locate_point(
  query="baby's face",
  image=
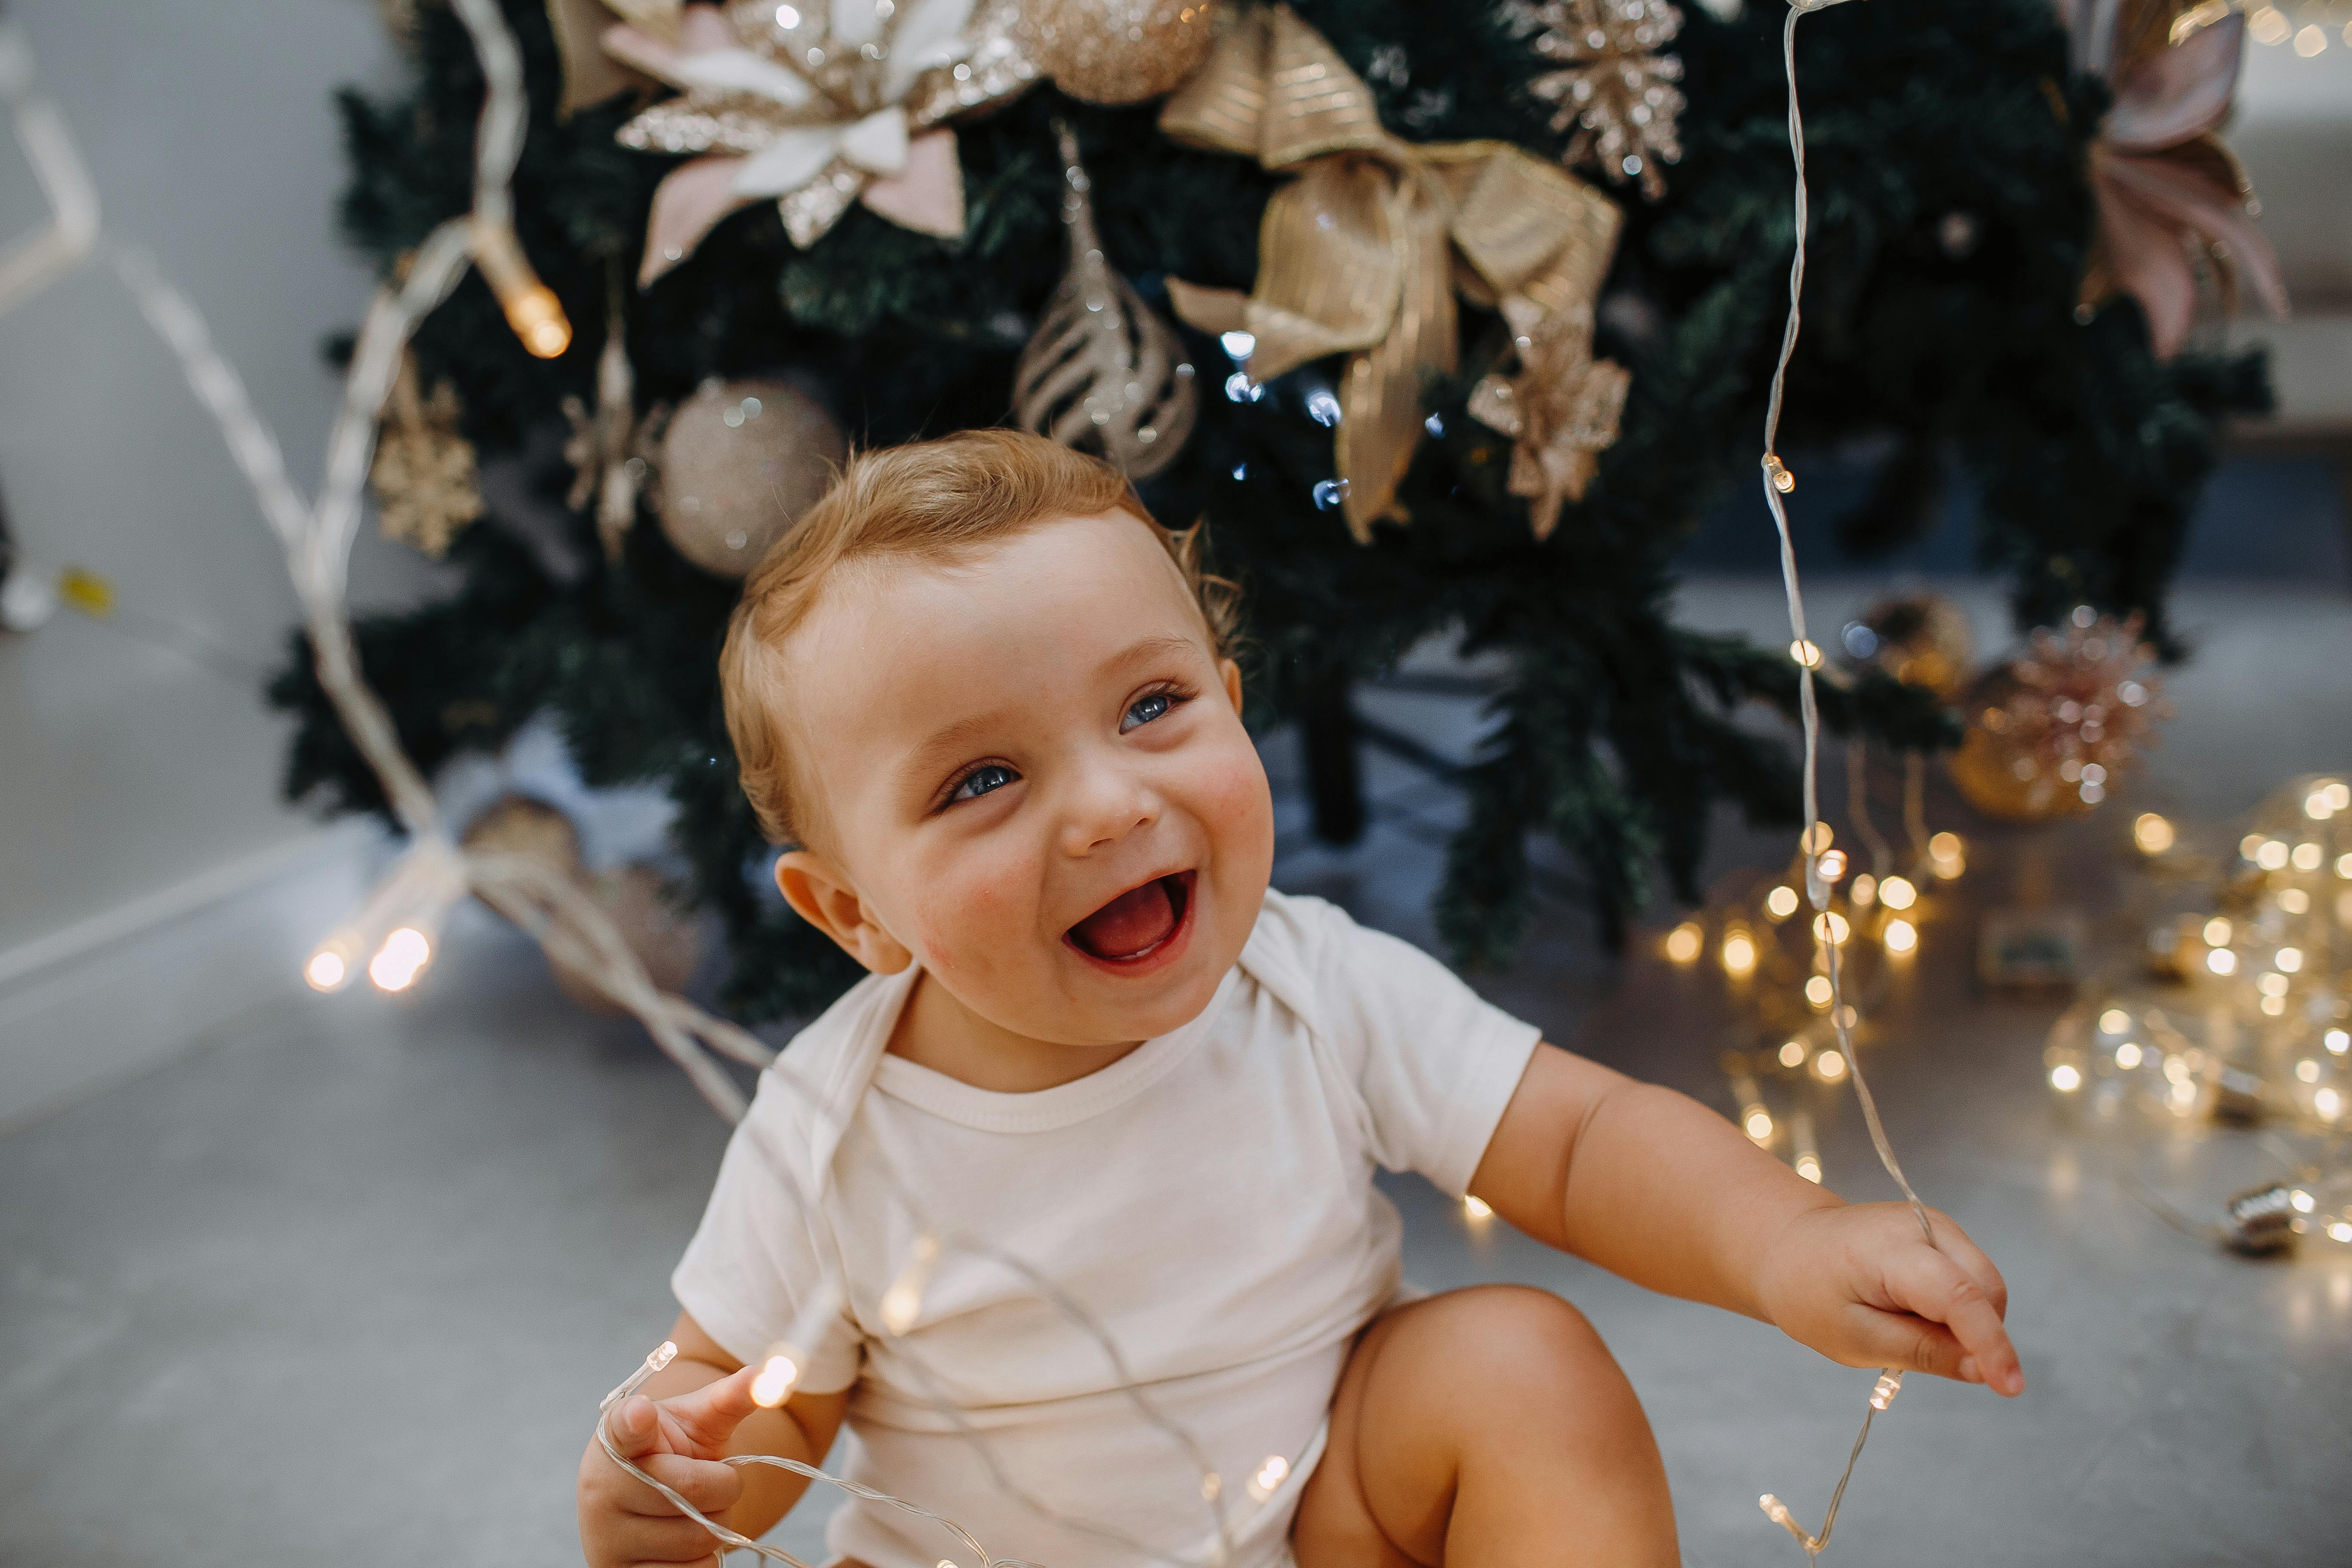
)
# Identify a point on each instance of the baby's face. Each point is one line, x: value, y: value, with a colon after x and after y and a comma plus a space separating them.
x: 1033, y: 777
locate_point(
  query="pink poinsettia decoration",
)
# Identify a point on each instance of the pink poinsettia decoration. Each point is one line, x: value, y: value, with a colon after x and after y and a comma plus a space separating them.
x: 813, y: 106
x: 2170, y: 193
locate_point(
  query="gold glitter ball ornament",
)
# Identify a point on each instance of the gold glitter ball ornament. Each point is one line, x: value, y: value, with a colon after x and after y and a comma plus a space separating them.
x: 740, y: 462
x: 1119, y: 51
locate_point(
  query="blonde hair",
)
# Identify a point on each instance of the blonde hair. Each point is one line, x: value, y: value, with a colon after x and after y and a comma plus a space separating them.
x: 927, y: 500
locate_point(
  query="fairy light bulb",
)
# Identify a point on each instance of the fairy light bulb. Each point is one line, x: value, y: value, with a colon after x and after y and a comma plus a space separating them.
x: 401, y: 958
x: 2152, y: 833
x: 2302, y: 1202
x: 2295, y: 900
x: 1782, y: 479
x: 1820, y: 992
x: 1882, y: 1392
x: 774, y: 1384
x: 2339, y: 795
x: 1831, y: 927
x: 2338, y: 1041
x: 1476, y: 1207
x: 1684, y: 942
x: 533, y: 311
x: 2328, y: 1103
x: 1792, y: 1054
x: 2128, y: 1055
x: 2222, y: 961
x: 902, y: 1303
x: 1268, y: 1477
x: 2114, y: 1021
x: 2339, y: 1231
x: 2217, y: 931
x: 1864, y: 891
x: 329, y: 969
x: 1947, y: 854
x: 1756, y: 1123
x: 1817, y: 839
x: 2308, y: 856
x: 1738, y: 953
x: 2066, y: 1078
x: 1806, y: 652
x: 1780, y: 902
x: 1897, y: 893
x: 2272, y: 855
x: 1831, y: 1065
x: 1809, y: 1165
x: 2288, y: 959
x: 1831, y: 866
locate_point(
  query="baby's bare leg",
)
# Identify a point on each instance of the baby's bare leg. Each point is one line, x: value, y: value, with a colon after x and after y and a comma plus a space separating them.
x: 1486, y: 1428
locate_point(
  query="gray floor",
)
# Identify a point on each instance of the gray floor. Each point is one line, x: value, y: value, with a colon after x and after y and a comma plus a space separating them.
x: 345, y: 1284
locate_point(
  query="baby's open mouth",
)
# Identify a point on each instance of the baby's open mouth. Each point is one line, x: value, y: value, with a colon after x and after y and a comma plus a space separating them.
x: 1137, y: 922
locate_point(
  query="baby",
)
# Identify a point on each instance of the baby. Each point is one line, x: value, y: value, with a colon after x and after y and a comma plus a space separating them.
x: 991, y: 705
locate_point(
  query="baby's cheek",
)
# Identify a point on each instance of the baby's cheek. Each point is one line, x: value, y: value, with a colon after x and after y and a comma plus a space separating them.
x: 965, y: 925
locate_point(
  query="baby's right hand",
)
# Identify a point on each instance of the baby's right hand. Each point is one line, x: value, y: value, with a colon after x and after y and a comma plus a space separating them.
x: 677, y: 1441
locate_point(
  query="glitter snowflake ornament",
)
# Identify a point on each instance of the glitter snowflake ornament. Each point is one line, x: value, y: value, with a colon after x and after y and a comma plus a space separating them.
x: 1613, y: 84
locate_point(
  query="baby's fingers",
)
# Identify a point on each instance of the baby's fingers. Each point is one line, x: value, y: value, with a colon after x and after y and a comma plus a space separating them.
x: 1929, y: 1285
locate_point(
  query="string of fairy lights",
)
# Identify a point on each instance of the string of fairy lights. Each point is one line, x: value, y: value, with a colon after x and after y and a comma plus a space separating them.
x: 2232, y: 1009
x: 394, y: 935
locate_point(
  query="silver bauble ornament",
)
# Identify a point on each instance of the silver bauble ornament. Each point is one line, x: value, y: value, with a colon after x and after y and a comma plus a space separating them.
x: 1119, y: 51
x: 740, y: 462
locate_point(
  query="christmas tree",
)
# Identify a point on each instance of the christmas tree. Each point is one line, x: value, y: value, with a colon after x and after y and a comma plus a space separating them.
x: 1507, y: 450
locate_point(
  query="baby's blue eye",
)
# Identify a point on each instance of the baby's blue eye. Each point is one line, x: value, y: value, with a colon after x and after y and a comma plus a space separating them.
x: 980, y: 780
x: 1144, y: 710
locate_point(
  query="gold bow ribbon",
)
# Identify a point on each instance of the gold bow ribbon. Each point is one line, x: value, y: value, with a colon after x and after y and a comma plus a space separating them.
x: 1561, y: 412
x: 1364, y: 251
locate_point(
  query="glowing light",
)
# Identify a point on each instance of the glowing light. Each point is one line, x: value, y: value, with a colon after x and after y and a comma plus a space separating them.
x: 1782, y: 479
x: 2273, y: 1005
x: 1818, y: 991
x: 2328, y: 1103
x: 1810, y: 1167
x: 1832, y: 865
x: 1477, y: 1207
x: 1882, y: 1394
x: 1792, y: 1054
x: 1864, y: 891
x: 1739, y: 953
x: 2307, y: 1071
x: 1268, y: 1476
x: 1946, y: 852
x: 1831, y: 927
x: 2339, y: 1231
x: 2272, y: 985
x: 1780, y: 902
x: 2152, y: 833
x: 787, y: 18
x: 2308, y: 856
x: 2344, y: 865
x: 1807, y: 652
x: 1900, y: 936
x: 1238, y: 345
x: 772, y: 1384
x: 2127, y: 1054
x: 2217, y: 932
x: 2183, y: 1096
x: 2318, y: 806
x: 1816, y: 839
x: 902, y: 1303
x: 2269, y: 25
x: 401, y: 959
x: 2295, y: 900
x: 2066, y: 1078
x: 1756, y: 1123
x: 1683, y: 942
x: 2339, y: 795
x: 2338, y: 1041
x: 2114, y: 1021
x: 2222, y: 961
x: 1831, y: 1065
x: 2304, y: 1202
x: 327, y: 970
x: 2289, y: 960
x: 2249, y: 846
x: 1897, y: 893
x: 2272, y: 855
x: 2311, y: 40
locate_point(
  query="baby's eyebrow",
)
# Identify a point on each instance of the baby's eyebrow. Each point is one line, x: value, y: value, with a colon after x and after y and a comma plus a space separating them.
x: 1151, y: 647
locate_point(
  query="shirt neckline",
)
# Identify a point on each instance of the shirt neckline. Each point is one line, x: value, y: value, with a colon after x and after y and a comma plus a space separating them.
x: 1043, y: 1109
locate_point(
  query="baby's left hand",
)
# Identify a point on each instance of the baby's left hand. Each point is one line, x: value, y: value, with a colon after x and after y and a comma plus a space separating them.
x: 1858, y: 1283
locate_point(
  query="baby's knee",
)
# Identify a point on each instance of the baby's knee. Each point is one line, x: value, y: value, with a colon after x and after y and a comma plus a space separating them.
x: 1516, y: 1341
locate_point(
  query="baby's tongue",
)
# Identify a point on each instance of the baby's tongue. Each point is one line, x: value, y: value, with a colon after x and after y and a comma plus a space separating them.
x: 1127, y: 924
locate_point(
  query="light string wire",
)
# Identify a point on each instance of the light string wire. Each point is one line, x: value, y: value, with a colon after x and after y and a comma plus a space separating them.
x: 1778, y: 480
x: 434, y: 871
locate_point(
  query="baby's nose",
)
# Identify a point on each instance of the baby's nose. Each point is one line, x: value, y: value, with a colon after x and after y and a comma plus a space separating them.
x: 1106, y: 803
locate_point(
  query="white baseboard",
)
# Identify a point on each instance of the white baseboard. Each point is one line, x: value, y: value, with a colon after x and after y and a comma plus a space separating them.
x: 113, y: 995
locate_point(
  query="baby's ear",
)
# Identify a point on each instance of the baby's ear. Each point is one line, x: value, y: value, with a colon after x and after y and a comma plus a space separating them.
x: 824, y: 897
x: 1233, y: 676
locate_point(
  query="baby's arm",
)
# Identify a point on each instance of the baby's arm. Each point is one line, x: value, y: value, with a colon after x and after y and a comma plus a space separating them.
x: 1652, y: 1185
x: 682, y: 1421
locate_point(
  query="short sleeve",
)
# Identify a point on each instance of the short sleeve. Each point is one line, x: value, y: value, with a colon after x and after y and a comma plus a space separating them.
x: 1436, y: 1062
x: 761, y: 1267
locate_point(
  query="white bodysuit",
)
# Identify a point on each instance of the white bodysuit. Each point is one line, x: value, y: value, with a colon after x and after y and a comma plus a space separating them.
x: 1208, y: 1198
